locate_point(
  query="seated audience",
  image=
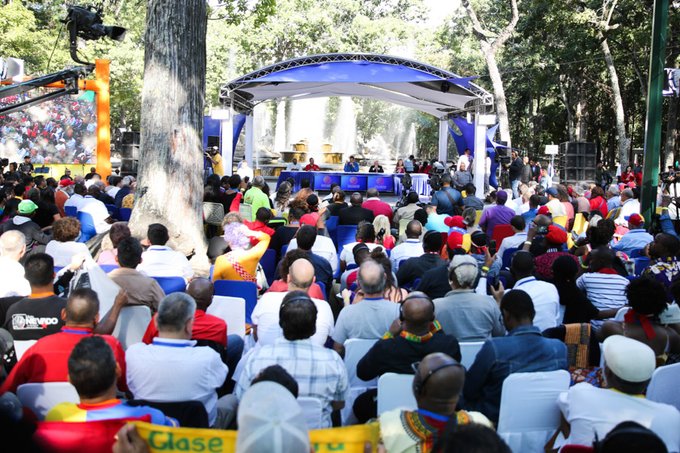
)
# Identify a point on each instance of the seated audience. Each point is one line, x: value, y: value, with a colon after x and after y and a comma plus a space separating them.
x: 665, y: 265
x: 470, y: 200
x: 435, y: 221
x: 462, y: 312
x: 470, y: 438
x: 171, y: 369
x: 63, y: 245
x: 376, y: 205
x: 100, y: 215
x: 515, y: 241
x: 523, y: 350
x: 365, y: 235
x: 281, y: 285
x: 240, y: 263
x: 283, y: 235
x: 256, y: 197
x: 406, y: 212
x: 383, y: 235
x: 142, y: 290
x: 355, y: 213
x: 319, y: 372
x: 604, y: 287
x: 392, y: 291
x: 498, y: 214
x: 12, y: 274
x: 337, y: 203
x: 282, y: 199
x: 636, y: 239
x: 23, y: 222
x: 159, y: 260
x: 411, y: 247
x: 321, y: 247
x: 117, y: 233
x: 262, y: 217
x: 414, y: 268
x: 93, y: 371
x: 437, y: 386
x: 592, y: 412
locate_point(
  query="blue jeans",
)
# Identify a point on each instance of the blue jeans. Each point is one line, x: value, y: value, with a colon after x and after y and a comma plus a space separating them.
x: 515, y: 188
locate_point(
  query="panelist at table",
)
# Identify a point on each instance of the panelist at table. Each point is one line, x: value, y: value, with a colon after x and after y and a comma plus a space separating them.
x: 311, y: 166
x: 351, y: 166
x: 294, y: 166
x: 376, y: 168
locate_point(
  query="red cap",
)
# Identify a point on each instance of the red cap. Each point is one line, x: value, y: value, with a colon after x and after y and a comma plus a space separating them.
x: 455, y: 240
x: 556, y: 235
x: 543, y: 210
x: 455, y: 221
x: 635, y: 220
x: 66, y: 182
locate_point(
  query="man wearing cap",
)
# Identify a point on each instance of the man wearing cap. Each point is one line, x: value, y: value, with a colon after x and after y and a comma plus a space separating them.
x: 23, y: 222
x: 592, y: 412
x: 636, y: 238
x: 613, y: 197
x: 410, y: 248
x: 62, y: 194
x: 498, y: 214
x: 554, y: 204
x: 26, y: 166
x: 255, y: 197
x: 376, y: 205
x: 414, y: 268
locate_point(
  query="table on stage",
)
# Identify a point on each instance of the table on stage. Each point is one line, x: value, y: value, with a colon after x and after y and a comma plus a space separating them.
x: 384, y: 182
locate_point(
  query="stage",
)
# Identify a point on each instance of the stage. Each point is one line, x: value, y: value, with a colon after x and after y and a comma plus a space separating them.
x: 356, y: 182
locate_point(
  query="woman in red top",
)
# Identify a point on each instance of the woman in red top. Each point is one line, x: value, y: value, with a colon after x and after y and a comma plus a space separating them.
x: 597, y: 201
x: 628, y: 175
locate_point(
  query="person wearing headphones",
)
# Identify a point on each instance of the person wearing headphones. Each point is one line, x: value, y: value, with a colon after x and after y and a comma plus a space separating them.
x: 437, y: 385
x: 411, y: 337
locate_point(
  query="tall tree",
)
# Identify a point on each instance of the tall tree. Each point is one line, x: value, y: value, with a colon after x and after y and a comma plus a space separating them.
x: 491, y: 43
x: 170, y: 185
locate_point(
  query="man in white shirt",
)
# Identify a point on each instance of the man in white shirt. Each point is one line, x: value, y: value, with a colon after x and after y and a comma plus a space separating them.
x: 171, y: 369
x: 410, y: 248
x: 554, y: 204
x: 629, y: 206
x: 12, y: 279
x: 366, y: 235
x: 96, y: 209
x: 591, y: 411
x: 294, y: 166
x: 518, y: 225
x: 324, y: 247
x: 159, y: 260
x: 543, y: 294
x: 266, y: 322
x: 78, y: 196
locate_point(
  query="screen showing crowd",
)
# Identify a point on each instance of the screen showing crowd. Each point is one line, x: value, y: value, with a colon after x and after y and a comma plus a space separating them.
x: 61, y: 131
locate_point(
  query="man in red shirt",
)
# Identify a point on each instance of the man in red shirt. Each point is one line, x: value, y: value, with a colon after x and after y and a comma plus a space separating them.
x: 47, y: 360
x: 375, y: 204
x: 311, y: 166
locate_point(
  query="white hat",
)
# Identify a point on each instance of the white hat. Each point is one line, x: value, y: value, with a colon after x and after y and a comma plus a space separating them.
x: 270, y: 420
x: 630, y: 360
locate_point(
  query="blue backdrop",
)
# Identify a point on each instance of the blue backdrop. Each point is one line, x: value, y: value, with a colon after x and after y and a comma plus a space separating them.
x: 466, y: 139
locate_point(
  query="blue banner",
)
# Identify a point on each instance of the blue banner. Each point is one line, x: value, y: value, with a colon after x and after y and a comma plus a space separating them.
x: 382, y: 183
x: 353, y: 182
x: 323, y: 181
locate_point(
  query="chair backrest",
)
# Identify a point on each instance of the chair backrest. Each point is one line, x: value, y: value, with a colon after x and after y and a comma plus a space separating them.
x: 87, y: 229
x: 171, y: 284
x: 467, y: 242
x: 189, y: 414
x: 246, y: 211
x: 268, y: 262
x: 124, y: 214
x: 501, y: 232
x: 537, y: 393
x: 561, y: 220
x: 579, y: 223
x: 109, y: 267
x: 395, y: 391
x: 80, y: 437
x: 41, y: 397
x: 621, y: 313
x: 468, y: 352
x: 312, y: 408
x: 332, y: 227
x: 233, y: 311
x: 71, y: 211
x: 236, y: 288
x: 213, y: 213
x: 112, y: 210
x: 663, y: 388
x: 507, y: 256
x: 132, y: 323
x: 346, y: 234
x: 21, y: 346
x: 322, y: 285
x: 478, y: 216
x: 355, y: 349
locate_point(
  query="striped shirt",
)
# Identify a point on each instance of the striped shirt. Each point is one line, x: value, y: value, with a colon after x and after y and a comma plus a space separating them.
x: 319, y: 372
x: 604, y: 290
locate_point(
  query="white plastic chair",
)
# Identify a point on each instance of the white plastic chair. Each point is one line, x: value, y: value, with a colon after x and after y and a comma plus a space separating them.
x: 395, y: 391
x: 21, y: 346
x: 663, y: 388
x: 132, y: 323
x: 468, y: 352
x: 312, y: 408
x: 233, y: 311
x: 355, y: 349
x: 537, y: 394
x: 621, y: 313
x: 41, y: 397
x: 246, y: 211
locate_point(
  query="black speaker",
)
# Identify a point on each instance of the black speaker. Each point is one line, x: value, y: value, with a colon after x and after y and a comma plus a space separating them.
x: 128, y: 165
x: 130, y: 138
x: 129, y: 152
x: 578, y: 161
x: 213, y: 141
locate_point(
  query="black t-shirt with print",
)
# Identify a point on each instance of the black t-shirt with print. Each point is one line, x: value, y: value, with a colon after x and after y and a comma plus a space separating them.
x: 32, y: 319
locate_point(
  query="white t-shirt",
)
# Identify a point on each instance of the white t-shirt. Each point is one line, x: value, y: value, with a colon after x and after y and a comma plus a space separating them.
x: 546, y: 301
x: 324, y: 247
x: 98, y: 211
x: 266, y: 317
x: 62, y: 252
x: 12, y: 280
x: 75, y: 200
x: 556, y: 208
x: 591, y: 410
x: 162, y: 261
x: 346, y: 254
x: 410, y: 248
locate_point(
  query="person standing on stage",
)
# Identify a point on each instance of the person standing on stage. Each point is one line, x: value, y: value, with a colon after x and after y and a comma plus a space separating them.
x: 215, y: 161
x: 294, y: 166
x: 351, y: 166
x: 311, y: 166
x: 515, y: 173
x: 408, y: 164
x: 376, y: 168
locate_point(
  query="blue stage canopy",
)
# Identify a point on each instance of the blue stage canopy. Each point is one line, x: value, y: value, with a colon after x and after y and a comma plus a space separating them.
x: 392, y: 79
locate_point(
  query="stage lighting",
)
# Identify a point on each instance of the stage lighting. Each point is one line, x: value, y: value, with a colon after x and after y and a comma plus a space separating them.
x: 86, y: 23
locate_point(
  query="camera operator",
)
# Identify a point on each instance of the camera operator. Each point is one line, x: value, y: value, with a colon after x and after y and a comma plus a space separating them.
x: 447, y: 199
x: 408, y: 209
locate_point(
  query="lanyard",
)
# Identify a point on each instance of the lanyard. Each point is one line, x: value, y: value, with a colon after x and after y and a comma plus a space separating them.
x: 531, y: 279
x: 438, y: 417
x: 171, y: 345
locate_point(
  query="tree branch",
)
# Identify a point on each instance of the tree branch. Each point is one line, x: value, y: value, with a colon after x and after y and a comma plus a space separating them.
x: 477, y: 27
x: 509, y: 29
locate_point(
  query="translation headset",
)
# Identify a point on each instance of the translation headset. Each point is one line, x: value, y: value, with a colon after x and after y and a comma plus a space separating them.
x: 420, y: 382
x: 415, y: 295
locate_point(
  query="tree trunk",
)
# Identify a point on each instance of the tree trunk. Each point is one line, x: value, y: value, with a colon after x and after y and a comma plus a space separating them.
x: 571, y: 124
x: 623, y: 140
x: 671, y: 132
x: 170, y: 185
x: 498, y: 91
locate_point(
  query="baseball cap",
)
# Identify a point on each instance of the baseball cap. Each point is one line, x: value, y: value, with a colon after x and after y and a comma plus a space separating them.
x: 629, y: 359
x: 502, y: 196
x: 270, y: 420
x: 635, y: 219
x: 556, y: 235
x: 552, y: 191
x: 455, y: 240
x: 66, y: 182
x: 543, y: 210
x: 27, y: 207
x: 455, y: 221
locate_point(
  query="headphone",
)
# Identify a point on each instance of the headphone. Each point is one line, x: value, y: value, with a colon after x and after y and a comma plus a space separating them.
x: 420, y: 382
x: 415, y: 295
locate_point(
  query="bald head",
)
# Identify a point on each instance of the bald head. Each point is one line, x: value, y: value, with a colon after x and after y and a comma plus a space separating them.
x: 438, y: 383
x: 417, y: 313
x: 356, y: 199
x: 371, y: 278
x: 300, y: 275
x: 82, y: 308
x: 13, y: 244
x: 202, y: 290
x: 414, y: 229
x: 542, y: 220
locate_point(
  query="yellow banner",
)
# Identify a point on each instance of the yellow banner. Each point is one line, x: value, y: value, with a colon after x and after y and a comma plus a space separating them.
x: 161, y: 439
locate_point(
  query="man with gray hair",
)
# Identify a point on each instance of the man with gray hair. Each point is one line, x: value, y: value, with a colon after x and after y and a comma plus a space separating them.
x: 629, y: 206
x: 171, y: 369
x: 255, y: 197
x: 372, y: 316
x: 12, y: 279
x: 613, y: 197
x: 462, y: 312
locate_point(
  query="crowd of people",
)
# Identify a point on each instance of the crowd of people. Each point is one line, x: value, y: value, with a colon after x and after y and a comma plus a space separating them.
x: 545, y: 280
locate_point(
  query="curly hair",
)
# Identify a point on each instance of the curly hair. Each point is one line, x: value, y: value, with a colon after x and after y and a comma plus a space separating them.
x: 235, y: 237
x: 66, y: 229
x: 646, y: 296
